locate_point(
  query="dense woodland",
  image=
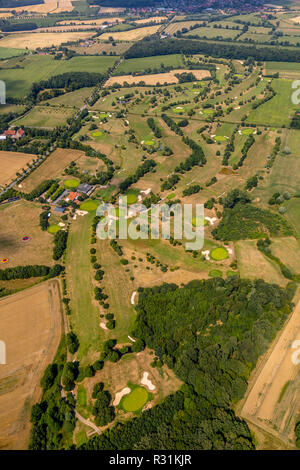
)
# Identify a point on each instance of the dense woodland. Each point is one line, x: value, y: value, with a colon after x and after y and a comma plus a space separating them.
x: 211, y: 333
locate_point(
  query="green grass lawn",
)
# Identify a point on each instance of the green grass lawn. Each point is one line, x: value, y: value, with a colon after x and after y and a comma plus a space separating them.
x: 144, y: 63
x: 53, y: 229
x: 8, y: 52
x: 71, y: 184
x: 45, y: 117
x: 84, y: 310
x: 279, y: 110
x: 218, y: 254
x: 89, y: 205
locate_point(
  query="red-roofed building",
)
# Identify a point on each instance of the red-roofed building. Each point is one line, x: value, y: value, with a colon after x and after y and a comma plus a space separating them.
x: 14, y: 134
x: 71, y: 197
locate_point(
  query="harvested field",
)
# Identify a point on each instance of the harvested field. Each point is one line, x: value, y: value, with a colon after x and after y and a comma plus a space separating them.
x: 272, y: 402
x: 153, y: 79
x: 100, y: 47
x: 11, y: 163
x: 93, y: 21
x: 51, y: 168
x: 131, y: 34
x: 18, y: 220
x: 35, y: 40
x: 49, y: 6
x: 157, y: 19
x: 31, y: 330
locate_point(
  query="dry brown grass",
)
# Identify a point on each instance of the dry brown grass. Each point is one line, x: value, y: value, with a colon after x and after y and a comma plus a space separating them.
x: 153, y: 79
x: 35, y: 40
x: 18, y: 220
x: 52, y: 167
x: 98, y: 21
x: 131, y: 34
x: 49, y: 6
x: 265, y: 405
x: 11, y: 163
x: 31, y: 330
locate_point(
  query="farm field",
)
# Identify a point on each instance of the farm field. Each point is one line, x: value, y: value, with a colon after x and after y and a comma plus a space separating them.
x: 130, y: 66
x: 7, y: 52
x: 130, y: 35
x: 285, y: 69
x: 11, y: 163
x: 31, y: 330
x: 153, y: 79
x: 37, y: 250
x: 35, y: 40
x: 104, y: 47
x: 45, y: 117
x: 51, y: 168
x: 272, y: 400
x: 36, y: 68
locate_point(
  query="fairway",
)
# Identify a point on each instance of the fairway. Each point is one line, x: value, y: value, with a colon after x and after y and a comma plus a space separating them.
x: 135, y: 400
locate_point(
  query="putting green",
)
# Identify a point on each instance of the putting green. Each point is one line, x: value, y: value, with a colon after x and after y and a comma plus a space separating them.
x: 131, y: 197
x: 247, y: 131
x: 179, y: 109
x: 89, y: 205
x: 103, y: 116
x: 97, y: 134
x: 53, y: 229
x: 220, y: 138
x: 208, y: 111
x: 171, y: 196
x: 135, y: 400
x: 215, y: 273
x: 197, y: 221
x: 72, y: 183
x: 148, y: 142
x: 218, y: 254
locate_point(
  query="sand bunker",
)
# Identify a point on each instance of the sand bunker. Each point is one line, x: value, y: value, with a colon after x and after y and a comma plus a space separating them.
x: 133, y: 297
x: 147, y: 382
x: 103, y: 326
x: 206, y: 254
x: 120, y: 395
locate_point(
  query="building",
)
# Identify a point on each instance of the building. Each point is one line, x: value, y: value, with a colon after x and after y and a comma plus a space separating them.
x: 71, y: 197
x: 85, y: 188
x: 12, y: 134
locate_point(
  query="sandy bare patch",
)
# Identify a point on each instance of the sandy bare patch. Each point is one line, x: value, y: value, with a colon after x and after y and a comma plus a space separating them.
x: 103, y: 326
x: 147, y: 382
x: 296, y: 19
x: 133, y: 297
x: 153, y: 79
x: 120, y: 395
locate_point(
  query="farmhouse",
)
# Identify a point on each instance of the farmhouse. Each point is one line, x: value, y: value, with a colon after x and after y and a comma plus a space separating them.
x: 71, y: 197
x: 85, y: 188
x: 12, y: 134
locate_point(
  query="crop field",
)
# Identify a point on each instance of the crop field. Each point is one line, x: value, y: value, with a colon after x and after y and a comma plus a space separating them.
x: 35, y: 40
x: 211, y: 33
x: 285, y: 69
x: 7, y: 52
x: 36, y: 68
x: 105, y: 47
x: 130, y: 35
x: 45, y: 117
x: 178, y: 26
x: 73, y: 99
x: 272, y: 400
x: 153, y: 79
x: 11, y: 163
x: 130, y: 66
x: 37, y: 250
x: 51, y: 168
x: 31, y: 330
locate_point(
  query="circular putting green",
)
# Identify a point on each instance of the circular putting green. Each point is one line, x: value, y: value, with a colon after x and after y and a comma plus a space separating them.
x: 197, y: 221
x: 179, y: 109
x: 220, y: 138
x: 247, y: 131
x: 218, y: 254
x: 149, y: 142
x: 135, y: 400
x: 71, y: 184
x: 53, y: 228
x: 131, y: 197
x: 97, y: 134
x: 215, y: 273
x: 90, y: 205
